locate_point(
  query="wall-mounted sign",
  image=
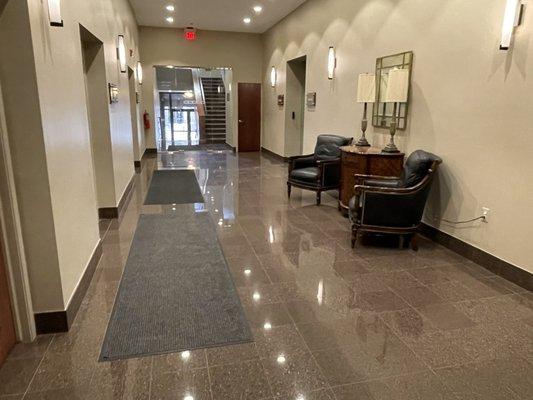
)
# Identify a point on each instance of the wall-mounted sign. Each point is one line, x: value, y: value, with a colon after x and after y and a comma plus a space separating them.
x: 281, y: 100
x: 113, y: 93
x: 311, y: 99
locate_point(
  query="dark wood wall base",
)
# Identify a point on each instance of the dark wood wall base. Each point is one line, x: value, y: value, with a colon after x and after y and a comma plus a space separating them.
x: 274, y: 155
x: 108, y: 213
x: 61, y: 321
x: 494, y: 264
x: 125, y: 199
x: 118, y: 212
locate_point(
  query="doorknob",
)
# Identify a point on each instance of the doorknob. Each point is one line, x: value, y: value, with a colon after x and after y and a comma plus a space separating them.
x: 241, y: 121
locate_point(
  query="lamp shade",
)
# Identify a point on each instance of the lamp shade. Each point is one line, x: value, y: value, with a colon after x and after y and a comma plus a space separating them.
x: 366, y: 88
x: 139, y: 73
x: 332, y: 62
x: 121, y: 52
x: 511, y: 20
x: 397, y: 86
x: 54, y: 11
x: 273, y: 77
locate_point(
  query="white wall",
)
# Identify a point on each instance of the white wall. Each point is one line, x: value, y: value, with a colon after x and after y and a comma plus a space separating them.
x: 471, y: 102
x: 162, y: 46
x: 57, y: 197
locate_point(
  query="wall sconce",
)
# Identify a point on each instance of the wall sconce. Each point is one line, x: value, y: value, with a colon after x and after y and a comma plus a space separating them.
x: 54, y: 11
x: 273, y: 77
x: 332, y: 63
x: 121, y: 54
x: 512, y: 19
x: 139, y: 73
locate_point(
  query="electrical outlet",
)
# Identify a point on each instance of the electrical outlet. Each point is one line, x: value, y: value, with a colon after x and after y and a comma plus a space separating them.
x: 485, y: 212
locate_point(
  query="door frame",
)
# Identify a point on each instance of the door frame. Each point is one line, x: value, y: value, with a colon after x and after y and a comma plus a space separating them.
x: 13, y: 244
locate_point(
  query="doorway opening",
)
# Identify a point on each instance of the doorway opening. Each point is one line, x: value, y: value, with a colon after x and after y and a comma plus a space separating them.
x: 295, y: 106
x: 193, y: 107
x: 94, y: 72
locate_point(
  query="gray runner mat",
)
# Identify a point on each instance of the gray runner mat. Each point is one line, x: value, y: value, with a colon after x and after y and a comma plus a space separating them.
x: 174, y: 187
x: 176, y: 292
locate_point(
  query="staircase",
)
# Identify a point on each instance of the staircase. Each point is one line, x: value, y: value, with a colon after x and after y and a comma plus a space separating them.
x: 215, y: 110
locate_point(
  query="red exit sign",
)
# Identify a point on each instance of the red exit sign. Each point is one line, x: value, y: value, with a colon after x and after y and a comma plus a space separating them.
x: 190, y: 34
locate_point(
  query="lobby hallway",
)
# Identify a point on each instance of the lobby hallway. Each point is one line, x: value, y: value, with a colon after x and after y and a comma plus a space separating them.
x: 329, y: 322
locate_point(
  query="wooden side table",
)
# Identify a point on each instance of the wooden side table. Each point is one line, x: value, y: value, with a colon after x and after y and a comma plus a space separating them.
x: 367, y: 161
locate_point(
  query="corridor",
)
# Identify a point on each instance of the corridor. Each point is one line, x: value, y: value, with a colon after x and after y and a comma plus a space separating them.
x: 328, y: 322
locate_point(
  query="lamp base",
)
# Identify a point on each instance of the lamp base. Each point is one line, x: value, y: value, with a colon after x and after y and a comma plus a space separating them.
x: 390, y: 148
x: 362, y: 142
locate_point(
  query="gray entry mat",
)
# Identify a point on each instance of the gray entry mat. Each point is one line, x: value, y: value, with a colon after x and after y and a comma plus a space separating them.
x: 174, y: 187
x: 176, y: 292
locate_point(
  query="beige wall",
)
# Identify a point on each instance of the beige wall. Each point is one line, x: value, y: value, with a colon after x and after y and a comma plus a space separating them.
x: 47, y: 117
x: 471, y: 103
x: 161, y: 46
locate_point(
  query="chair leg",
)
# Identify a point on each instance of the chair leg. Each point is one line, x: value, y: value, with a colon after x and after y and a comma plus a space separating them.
x: 354, y: 237
x: 414, y: 242
x: 318, y: 198
x: 289, y: 187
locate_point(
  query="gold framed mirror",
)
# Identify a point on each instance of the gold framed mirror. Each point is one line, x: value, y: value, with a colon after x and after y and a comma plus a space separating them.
x: 382, y: 113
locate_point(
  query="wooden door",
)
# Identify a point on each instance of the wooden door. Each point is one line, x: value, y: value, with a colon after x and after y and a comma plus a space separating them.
x: 7, y: 327
x: 249, y: 117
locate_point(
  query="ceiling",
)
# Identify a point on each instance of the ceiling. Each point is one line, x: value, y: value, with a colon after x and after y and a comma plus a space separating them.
x: 217, y: 15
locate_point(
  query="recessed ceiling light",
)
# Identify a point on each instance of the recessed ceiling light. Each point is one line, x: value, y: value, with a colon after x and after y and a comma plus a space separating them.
x: 170, y: 7
x: 247, y: 20
x: 170, y: 20
x: 258, y: 9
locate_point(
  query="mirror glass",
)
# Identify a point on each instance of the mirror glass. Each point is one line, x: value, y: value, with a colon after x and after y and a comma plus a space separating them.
x: 382, y: 113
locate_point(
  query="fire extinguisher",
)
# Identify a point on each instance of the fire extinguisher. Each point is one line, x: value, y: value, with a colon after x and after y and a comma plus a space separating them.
x: 146, y: 119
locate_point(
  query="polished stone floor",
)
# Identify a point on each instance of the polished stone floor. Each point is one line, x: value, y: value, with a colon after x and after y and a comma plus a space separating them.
x: 329, y: 322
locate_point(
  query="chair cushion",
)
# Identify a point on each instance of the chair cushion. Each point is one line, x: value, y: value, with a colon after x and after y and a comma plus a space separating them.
x: 328, y: 146
x: 306, y: 175
x: 417, y: 167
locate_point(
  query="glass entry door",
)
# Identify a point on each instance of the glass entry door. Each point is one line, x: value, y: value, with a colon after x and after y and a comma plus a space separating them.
x: 179, y: 122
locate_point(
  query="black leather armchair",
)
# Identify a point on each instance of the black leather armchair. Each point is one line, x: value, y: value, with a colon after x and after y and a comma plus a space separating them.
x: 321, y: 170
x: 394, y: 205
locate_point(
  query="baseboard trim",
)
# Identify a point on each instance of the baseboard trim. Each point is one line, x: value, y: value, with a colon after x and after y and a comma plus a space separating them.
x: 125, y: 199
x: 61, y: 321
x: 492, y: 263
x: 274, y: 155
x: 117, y: 212
x: 108, y: 213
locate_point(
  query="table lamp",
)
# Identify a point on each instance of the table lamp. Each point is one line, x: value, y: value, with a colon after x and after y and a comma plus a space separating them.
x: 397, y: 92
x: 366, y: 93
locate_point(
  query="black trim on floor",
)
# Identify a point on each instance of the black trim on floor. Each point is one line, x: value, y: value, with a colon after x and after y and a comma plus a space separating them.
x: 494, y: 264
x: 61, y: 321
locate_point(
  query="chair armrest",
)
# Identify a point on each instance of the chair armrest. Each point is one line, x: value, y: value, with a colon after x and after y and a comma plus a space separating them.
x: 360, y: 189
x: 297, y: 162
x: 329, y: 162
x: 293, y: 158
x: 361, y: 178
